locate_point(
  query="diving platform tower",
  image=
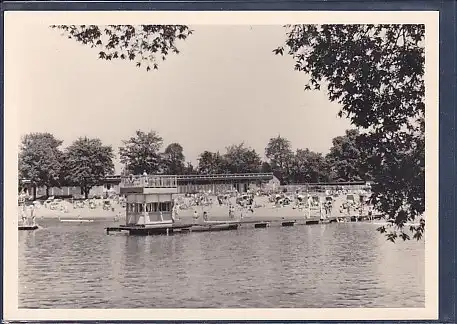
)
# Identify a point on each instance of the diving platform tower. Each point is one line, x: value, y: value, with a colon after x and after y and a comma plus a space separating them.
x: 149, y: 199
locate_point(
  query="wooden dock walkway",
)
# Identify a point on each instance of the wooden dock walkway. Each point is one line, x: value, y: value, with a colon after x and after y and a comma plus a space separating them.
x: 227, y: 225
x: 27, y: 227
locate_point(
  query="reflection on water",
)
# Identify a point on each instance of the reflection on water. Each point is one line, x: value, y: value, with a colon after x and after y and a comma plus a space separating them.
x: 337, y: 265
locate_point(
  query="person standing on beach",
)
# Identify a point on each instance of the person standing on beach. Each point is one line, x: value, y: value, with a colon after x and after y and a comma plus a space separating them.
x: 195, y: 216
x: 24, y: 214
x: 231, y: 216
x: 370, y: 212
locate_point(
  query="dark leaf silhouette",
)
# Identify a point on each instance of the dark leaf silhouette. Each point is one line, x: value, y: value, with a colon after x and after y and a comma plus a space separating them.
x: 376, y: 74
x: 144, y: 44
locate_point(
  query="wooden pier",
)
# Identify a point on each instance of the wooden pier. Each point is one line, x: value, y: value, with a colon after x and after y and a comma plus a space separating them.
x: 288, y: 223
x: 217, y: 226
x: 262, y: 225
x: 163, y: 229
x: 168, y: 229
x: 27, y: 227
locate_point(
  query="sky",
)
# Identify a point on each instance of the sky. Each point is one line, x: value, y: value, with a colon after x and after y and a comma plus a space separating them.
x: 225, y: 87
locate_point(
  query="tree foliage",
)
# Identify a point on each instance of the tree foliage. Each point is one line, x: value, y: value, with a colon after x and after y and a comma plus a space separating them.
x: 190, y: 169
x: 399, y: 189
x: 237, y: 159
x: 141, y: 153
x: 211, y: 163
x: 308, y: 167
x: 146, y: 45
x: 241, y: 159
x: 40, y: 160
x: 346, y: 158
x: 266, y: 167
x: 279, y: 153
x: 375, y: 72
x: 87, y: 163
x: 173, y: 159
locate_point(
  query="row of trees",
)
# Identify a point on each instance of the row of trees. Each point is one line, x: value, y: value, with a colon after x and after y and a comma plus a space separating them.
x: 87, y: 161
x: 344, y: 162
x: 84, y: 163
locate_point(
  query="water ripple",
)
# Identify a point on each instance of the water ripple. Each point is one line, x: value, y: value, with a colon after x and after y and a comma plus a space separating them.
x: 340, y: 265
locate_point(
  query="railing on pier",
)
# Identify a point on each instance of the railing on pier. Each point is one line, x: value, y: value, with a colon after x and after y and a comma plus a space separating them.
x: 355, y: 185
x: 197, y: 177
x: 149, y: 181
x: 220, y: 176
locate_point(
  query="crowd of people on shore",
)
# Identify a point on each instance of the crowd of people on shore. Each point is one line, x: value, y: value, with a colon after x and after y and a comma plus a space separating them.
x: 353, y: 199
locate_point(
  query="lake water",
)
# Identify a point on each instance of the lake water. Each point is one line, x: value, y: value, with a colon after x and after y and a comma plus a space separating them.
x: 335, y: 265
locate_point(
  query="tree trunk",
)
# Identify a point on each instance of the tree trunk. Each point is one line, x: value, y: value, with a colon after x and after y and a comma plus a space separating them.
x: 47, y: 192
x: 34, y: 192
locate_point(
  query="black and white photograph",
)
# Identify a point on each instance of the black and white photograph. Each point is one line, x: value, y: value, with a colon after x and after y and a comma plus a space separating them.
x: 221, y: 165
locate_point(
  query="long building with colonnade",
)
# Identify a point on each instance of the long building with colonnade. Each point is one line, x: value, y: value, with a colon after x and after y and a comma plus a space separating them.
x: 186, y: 184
